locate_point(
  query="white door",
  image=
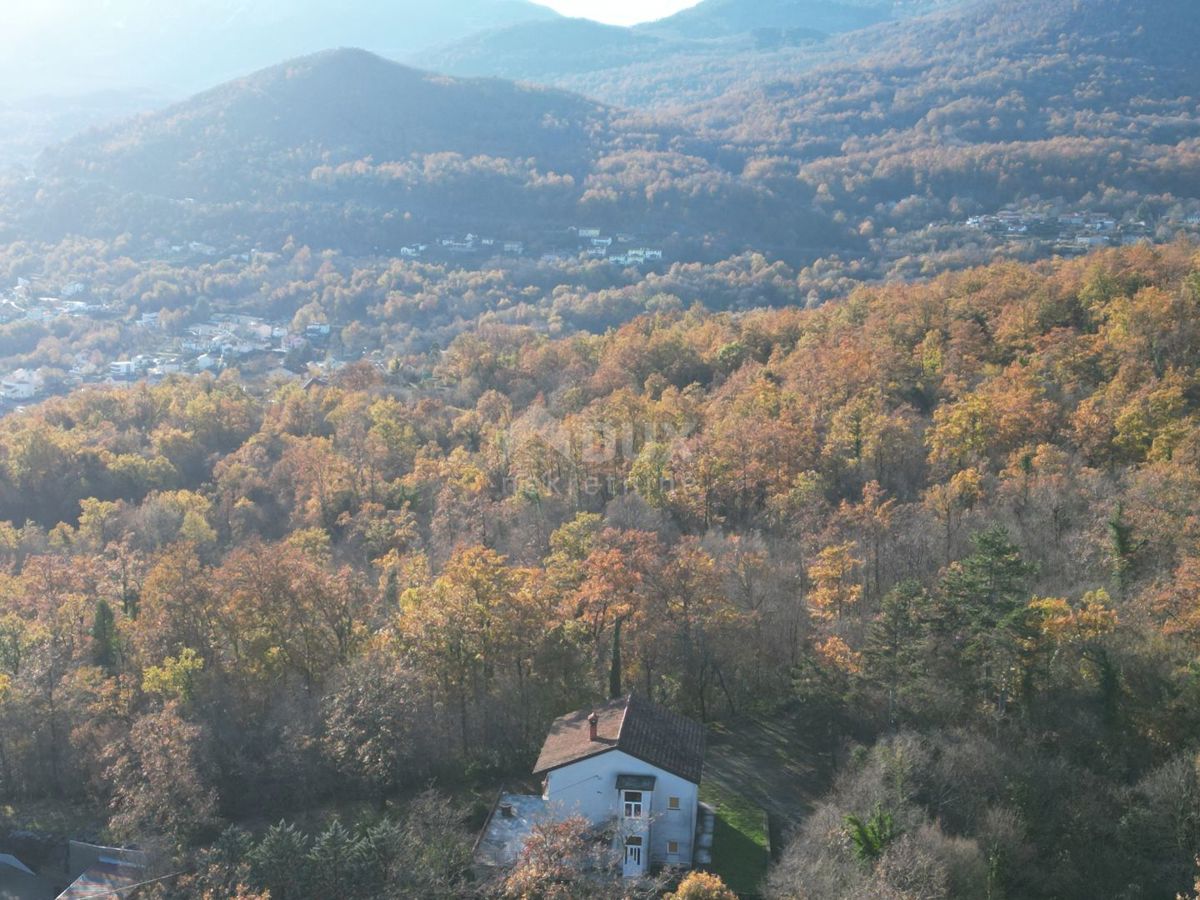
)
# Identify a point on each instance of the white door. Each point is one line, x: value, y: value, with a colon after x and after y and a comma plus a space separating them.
x: 633, y: 857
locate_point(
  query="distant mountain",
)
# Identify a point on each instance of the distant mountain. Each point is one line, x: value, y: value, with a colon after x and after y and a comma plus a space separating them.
x: 1058, y: 103
x: 1164, y: 34
x: 542, y: 50
x: 698, y: 52
x: 331, y: 108
x: 722, y: 18
x: 347, y: 149
x: 28, y: 126
x: 177, y: 48
x: 1038, y: 68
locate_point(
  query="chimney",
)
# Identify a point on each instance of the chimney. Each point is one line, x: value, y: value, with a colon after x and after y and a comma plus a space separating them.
x: 593, y: 719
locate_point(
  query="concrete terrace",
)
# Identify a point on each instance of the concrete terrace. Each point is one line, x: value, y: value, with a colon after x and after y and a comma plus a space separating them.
x: 507, y: 829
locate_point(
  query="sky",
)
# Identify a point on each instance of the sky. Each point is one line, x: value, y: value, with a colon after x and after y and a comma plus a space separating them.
x: 16, y: 14
x: 618, y: 12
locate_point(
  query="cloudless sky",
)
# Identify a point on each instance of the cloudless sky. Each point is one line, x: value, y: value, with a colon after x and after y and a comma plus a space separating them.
x: 618, y: 12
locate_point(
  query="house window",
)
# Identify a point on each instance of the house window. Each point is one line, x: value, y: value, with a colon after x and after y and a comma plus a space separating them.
x: 673, y: 847
x: 672, y: 803
x: 633, y: 804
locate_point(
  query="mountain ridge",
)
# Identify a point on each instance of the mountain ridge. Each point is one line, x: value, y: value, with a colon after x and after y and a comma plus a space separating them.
x: 351, y: 150
x: 342, y: 105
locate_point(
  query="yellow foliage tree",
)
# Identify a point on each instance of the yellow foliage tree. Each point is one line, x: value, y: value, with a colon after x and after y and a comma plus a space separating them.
x: 702, y: 886
x: 835, y: 587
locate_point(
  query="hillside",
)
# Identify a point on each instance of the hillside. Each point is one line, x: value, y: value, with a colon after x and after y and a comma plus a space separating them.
x: 1068, y: 64
x: 947, y: 531
x: 1046, y: 106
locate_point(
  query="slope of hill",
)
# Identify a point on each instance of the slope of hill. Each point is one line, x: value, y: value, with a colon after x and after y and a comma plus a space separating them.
x: 1091, y: 101
x: 956, y: 518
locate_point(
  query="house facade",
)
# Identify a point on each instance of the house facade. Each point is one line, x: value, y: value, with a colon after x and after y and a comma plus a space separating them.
x: 630, y: 767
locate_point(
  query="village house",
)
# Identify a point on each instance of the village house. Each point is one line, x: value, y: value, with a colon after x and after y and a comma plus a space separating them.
x: 21, y: 384
x: 630, y: 767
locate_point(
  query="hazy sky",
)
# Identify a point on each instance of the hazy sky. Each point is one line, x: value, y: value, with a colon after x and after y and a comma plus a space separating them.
x: 618, y: 12
x: 615, y: 12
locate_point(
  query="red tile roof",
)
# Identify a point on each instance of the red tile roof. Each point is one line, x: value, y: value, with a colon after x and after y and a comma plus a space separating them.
x: 634, y: 725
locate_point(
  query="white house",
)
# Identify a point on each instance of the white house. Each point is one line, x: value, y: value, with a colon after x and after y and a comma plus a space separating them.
x: 21, y: 385
x: 630, y: 767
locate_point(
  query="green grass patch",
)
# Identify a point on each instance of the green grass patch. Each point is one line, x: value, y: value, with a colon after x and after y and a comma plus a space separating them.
x: 741, y: 843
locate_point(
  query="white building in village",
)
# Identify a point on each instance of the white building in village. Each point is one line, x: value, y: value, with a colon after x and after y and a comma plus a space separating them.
x: 630, y: 767
x: 21, y: 385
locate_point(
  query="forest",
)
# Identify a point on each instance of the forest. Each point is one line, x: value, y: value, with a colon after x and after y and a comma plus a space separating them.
x: 290, y: 636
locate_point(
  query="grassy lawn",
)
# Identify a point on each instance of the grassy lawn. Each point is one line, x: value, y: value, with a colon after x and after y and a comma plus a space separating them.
x: 741, y: 848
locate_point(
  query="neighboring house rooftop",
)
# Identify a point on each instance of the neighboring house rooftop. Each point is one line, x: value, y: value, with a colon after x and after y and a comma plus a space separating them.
x: 633, y: 725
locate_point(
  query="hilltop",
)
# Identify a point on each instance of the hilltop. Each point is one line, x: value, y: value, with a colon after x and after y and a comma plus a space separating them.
x: 330, y: 108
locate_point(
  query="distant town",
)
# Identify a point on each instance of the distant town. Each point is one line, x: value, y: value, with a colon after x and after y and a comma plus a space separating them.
x: 593, y: 243
x: 269, y: 349
x: 280, y: 349
x: 1072, y: 232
